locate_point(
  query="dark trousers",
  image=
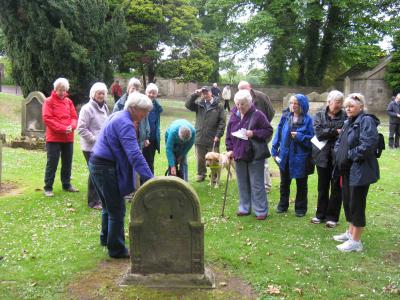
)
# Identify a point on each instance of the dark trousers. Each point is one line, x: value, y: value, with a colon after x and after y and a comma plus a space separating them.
x: 394, y: 132
x: 54, y: 151
x: 113, y: 215
x: 328, y: 206
x: 93, y: 197
x: 226, y: 105
x: 149, y: 153
x: 300, y: 205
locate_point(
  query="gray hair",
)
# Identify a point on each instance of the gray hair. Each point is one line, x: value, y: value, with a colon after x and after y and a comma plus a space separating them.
x: 335, y: 96
x: 243, y: 96
x: 244, y: 85
x: 151, y: 87
x: 355, y: 98
x: 139, y: 101
x: 185, y: 133
x: 98, y: 86
x: 135, y: 83
x: 61, y: 82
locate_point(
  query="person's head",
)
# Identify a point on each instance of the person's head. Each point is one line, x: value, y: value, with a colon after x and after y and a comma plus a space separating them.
x: 151, y: 91
x: 117, y: 81
x: 98, y: 92
x: 138, y: 105
x: 335, y: 101
x: 61, y: 87
x: 206, y: 93
x: 243, y: 101
x: 397, y: 99
x: 244, y: 85
x: 134, y: 84
x: 184, y: 133
x: 215, y: 84
x: 354, y: 104
x: 294, y: 105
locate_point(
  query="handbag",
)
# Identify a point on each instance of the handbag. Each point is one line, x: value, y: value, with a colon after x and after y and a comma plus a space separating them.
x: 255, y: 149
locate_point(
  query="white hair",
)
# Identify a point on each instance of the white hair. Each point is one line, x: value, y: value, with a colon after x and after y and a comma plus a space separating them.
x: 135, y: 83
x: 185, y: 133
x: 244, y: 85
x: 98, y: 86
x: 335, y: 96
x: 355, y: 98
x: 139, y: 101
x: 215, y: 84
x: 61, y: 82
x: 151, y: 87
x: 243, y: 96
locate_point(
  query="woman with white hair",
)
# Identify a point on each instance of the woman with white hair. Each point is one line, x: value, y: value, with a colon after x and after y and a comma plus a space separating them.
x: 245, y: 123
x: 153, y: 144
x: 356, y: 162
x: 92, y: 117
x: 134, y: 85
x: 60, y: 118
x: 115, y: 159
x: 327, y: 125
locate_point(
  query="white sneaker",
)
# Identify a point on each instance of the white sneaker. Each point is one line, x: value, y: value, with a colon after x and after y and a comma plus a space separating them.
x: 48, y: 193
x: 331, y: 224
x: 342, y: 237
x: 350, y: 245
x: 315, y: 220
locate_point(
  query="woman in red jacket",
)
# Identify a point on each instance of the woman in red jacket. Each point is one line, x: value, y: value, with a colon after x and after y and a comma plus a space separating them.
x: 60, y: 118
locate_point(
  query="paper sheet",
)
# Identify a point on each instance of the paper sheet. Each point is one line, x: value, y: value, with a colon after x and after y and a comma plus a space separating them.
x: 241, y: 134
x: 319, y: 144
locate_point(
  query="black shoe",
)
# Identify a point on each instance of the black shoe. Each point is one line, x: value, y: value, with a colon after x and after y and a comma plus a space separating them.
x: 281, y: 211
x: 300, y: 215
x: 71, y: 189
x: 123, y: 256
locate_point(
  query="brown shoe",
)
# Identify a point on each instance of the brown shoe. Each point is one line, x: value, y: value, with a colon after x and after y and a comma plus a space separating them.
x: 71, y: 189
x: 242, y: 214
x: 261, y: 217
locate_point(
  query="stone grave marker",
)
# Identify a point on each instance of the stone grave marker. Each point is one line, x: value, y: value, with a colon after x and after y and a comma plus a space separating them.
x: 31, y: 115
x: 167, y: 237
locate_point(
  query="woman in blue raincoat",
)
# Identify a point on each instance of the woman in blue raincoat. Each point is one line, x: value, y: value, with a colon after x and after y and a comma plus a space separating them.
x: 291, y: 149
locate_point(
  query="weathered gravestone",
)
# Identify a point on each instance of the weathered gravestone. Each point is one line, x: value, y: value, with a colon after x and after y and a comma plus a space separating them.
x: 167, y: 237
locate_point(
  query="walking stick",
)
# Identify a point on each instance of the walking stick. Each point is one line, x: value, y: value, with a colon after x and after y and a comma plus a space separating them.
x: 213, y: 147
x: 226, y: 188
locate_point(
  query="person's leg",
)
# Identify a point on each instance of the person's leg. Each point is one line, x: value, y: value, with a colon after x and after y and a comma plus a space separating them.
x: 346, y: 197
x: 149, y: 153
x: 201, y: 152
x: 301, y: 202
x: 324, y: 175
x: 184, y: 169
x: 392, y: 129
x: 267, y: 177
x: 335, y: 201
x: 242, y: 176
x: 284, y: 190
x: 53, y: 156
x: 396, y: 136
x: 67, y: 151
x: 259, y: 201
x: 93, y: 197
x: 358, y: 205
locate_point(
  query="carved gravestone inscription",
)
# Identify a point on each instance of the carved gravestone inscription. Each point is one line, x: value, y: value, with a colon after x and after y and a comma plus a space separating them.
x: 167, y: 236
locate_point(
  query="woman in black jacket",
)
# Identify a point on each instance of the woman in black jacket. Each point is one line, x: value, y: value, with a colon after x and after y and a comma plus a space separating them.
x: 327, y: 125
x: 355, y: 158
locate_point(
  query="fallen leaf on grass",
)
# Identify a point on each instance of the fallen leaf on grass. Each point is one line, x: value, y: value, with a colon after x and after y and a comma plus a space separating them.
x: 299, y: 291
x: 273, y: 290
x: 223, y: 283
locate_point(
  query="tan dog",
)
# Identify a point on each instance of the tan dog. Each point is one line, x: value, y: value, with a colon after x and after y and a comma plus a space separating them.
x: 216, y: 162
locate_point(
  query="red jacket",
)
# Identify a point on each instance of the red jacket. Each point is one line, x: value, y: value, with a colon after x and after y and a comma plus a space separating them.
x: 58, y: 114
x: 116, y: 90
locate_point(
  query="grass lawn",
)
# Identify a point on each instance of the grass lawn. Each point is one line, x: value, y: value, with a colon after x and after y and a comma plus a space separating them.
x: 45, y: 244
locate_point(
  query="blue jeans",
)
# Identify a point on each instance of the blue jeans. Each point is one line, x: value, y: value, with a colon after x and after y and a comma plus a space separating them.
x: 105, y: 180
x: 252, y: 195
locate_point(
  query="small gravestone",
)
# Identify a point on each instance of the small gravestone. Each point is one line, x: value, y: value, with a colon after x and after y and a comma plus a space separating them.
x: 1, y: 157
x: 167, y: 237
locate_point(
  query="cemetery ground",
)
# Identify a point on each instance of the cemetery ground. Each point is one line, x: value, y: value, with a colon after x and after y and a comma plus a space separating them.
x: 49, y: 247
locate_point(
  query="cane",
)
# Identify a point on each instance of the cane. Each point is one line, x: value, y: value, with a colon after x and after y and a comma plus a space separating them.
x: 226, y: 188
x: 213, y: 147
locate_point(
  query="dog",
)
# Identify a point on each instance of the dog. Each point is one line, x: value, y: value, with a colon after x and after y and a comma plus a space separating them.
x: 216, y: 162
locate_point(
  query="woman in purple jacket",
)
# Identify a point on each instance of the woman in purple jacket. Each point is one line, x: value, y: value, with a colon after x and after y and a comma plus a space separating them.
x: 246, y: 122
x: 115, y: 159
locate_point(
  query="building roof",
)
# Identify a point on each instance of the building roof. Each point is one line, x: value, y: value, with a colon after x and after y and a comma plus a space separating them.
x: 362, y: 71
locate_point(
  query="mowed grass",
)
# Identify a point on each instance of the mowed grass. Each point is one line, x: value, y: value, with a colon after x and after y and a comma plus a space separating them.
x: 47, y: 243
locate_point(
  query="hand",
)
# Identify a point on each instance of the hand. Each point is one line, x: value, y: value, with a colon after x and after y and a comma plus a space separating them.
x: 293, y: 133
x: 249, y: 133
x: 339, y: 131
x: 173, y: 171
x: 216, y: 139
x: 69, y: 129
x: 398, y: 115
x: 146, y: 143
x: 229, y: 154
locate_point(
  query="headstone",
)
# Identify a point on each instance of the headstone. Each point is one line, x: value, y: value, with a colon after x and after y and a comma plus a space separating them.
x: 167, y: 237
x: 31, y: 116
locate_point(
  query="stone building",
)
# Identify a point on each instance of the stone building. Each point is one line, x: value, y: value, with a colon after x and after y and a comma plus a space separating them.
x: 369, y: 82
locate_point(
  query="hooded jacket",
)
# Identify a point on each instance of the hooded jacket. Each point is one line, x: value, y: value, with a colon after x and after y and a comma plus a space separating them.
x: 58, y: 114
x: 392, y: 110
x: 294, y: 152
x: 362, y: 140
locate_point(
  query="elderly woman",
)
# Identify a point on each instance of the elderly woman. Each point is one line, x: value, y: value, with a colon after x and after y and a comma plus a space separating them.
x: 115, y: 159
x: 179, y: 139
x: 327, y: 126
x: 245, y: 123
x: 92, y: 117
x: 356, y: 161
x: 60, y: 118
x: 291, y: 149
x: 134, y: 85
x: 153, y: 144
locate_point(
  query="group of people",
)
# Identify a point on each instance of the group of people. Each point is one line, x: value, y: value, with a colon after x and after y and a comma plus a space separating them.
x: 120, y: 150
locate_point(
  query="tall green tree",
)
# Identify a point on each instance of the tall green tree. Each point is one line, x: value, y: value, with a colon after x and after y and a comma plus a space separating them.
x: 392, y: 75
x: 54, y: 38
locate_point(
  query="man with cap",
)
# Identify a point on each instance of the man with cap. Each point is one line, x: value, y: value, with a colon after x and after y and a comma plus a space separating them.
x: 210, y: 125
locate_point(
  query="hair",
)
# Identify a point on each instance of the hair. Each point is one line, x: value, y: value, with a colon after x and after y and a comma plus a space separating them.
x: 398, y: 95
x: 355, y: 98
x: 243, y: 96
x: 335, y: 96
x: 243, y: 85
x: 61, y: 82
x: 139, y: 101
x: 98, y: 86
x: 151, y: 87
x: 135, y: 83
x: 298, y: 102
x: 185, y: 133
x: 215, y: 84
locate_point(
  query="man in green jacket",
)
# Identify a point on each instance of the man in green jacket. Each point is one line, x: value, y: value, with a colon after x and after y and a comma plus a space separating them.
x: 210, y: 125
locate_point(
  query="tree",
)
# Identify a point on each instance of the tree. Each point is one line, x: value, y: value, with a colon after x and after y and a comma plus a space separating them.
x: 51, y: 39
x: 392, y: 75
x: 2, y: 43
